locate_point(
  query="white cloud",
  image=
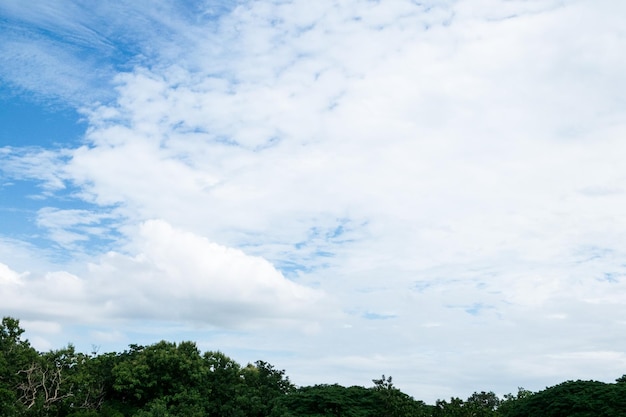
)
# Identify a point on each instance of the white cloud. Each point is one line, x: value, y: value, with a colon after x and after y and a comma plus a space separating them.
x: 8, y: 276
x: 45, y: 166
x: 169, y: 275
x: 180, y: 276
x: 69, y: 227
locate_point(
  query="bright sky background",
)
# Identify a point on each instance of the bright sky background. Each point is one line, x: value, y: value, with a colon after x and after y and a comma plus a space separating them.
x: 432, y: 190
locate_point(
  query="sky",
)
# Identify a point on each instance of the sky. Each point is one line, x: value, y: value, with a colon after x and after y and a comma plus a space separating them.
x: 432, y: 190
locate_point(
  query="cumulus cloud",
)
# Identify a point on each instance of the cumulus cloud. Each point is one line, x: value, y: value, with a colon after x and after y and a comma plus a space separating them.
x: 170, y: 275
x: 8, y: 276
x: 177, y: 275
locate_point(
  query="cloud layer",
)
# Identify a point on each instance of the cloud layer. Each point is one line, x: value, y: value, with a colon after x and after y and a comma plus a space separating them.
x: 432, y: 191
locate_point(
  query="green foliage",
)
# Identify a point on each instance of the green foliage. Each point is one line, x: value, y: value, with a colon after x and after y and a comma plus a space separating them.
x: 479, y: 404
x: 574, y: 399
x: 338, y: 401
x: 175, y: 380
x: 161, y: 375
x: 511, y: 401
x: 156, y: 408
x: 483, y: 404
x: 395, y: 403
x: 329, y: 400
x: 262, y: 386
x: 16, y: 355
x: 161, y: 370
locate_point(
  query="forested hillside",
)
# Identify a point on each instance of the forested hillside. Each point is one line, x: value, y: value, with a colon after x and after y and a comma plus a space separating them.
x: 169, y: 379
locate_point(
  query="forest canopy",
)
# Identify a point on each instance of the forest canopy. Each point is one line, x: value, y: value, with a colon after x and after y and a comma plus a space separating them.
x: 170, y: 380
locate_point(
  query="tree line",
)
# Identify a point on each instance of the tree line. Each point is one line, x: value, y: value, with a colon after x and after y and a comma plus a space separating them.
x: 177, y: 380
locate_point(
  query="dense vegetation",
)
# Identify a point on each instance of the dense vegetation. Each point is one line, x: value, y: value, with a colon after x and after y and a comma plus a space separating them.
x: 169, y: 379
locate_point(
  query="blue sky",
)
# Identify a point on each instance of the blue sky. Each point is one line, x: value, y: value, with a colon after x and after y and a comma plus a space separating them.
x: 429, y: 190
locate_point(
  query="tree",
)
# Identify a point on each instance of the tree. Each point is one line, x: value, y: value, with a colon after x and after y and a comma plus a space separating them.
x: 395, y: 403
x: 482, y: 404
x: 574, y: 399
x: 454, y: 408
x: 329, y: 400
x: 16, y: 357
x: 510, y: 401
x: 165, y: 371
x: 263, y: 384
x: 223, y: 385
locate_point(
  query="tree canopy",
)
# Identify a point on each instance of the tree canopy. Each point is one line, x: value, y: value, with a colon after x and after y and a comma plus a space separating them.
x: 167, y: 379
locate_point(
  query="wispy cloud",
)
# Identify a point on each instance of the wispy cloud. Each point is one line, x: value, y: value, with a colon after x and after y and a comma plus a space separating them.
x: 45, y: 166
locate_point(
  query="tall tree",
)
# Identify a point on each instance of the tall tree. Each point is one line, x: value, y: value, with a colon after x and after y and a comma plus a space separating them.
x: 16, y: 357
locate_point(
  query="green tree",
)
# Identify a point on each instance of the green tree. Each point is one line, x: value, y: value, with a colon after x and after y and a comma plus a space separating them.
x: 156, y: 408
x: 482, y: 404
x: 395, y: 403
x: 328, y: 400
x: 454, y: 408
x: 165, y: 371
x: 16, y: 357
x: 479, y: 404
x: 263, y: 385
x: 223, y: 385
x: 574, y: 399
x: 510, y: 401
x: 50, y: 384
